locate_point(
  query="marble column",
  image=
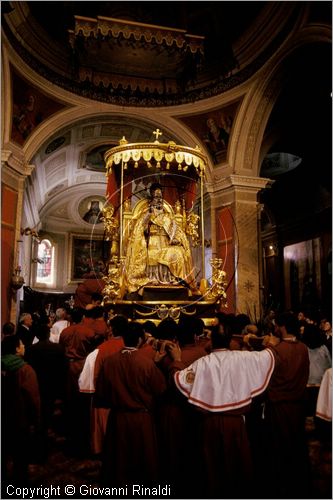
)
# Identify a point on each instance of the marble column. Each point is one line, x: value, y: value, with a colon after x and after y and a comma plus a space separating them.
x: 237, y: 240
x: 13, y: 174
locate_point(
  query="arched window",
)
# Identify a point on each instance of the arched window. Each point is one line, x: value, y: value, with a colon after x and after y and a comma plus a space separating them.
x: 45, y: 263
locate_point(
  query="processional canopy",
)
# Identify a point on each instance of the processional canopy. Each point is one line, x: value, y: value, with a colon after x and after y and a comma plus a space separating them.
x: 126, y: 271
x: 157, y: 156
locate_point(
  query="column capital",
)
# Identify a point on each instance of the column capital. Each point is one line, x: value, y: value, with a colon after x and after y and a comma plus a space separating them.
x: 240, y: 181
x: 16, y: 162
x: 225, y: 190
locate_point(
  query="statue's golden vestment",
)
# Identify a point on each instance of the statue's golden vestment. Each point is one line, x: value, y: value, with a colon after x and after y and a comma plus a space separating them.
x: 158, y: 252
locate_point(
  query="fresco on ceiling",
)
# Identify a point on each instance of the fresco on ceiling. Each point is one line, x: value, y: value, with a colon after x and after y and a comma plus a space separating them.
x: 214, y: 129
x: 275, y: 164
x: 54, y: 145
x: 90, y: 209
x: 94, y: 159
x: 30, y: 108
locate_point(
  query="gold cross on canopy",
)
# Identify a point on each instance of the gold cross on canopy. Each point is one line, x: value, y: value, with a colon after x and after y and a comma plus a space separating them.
x: 157, y: 133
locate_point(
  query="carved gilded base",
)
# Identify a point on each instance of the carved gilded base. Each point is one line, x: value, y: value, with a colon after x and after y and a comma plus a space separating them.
x: 156, y: 310
x: 162, y: 293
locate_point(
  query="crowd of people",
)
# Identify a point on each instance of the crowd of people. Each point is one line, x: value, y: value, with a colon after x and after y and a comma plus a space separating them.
x: 201, y: 410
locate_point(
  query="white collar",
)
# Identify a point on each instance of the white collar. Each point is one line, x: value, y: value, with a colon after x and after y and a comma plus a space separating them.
x: 129, y: 349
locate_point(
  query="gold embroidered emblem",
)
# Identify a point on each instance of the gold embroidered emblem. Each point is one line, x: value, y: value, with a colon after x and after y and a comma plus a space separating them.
x: 190, y: 377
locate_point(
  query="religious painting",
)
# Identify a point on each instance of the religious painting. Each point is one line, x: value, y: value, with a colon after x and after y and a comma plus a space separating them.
x: 30, y: 108
x: 89, y: 257
x: 214, y: 129
x: 56, y: 142
x: 90, y: 209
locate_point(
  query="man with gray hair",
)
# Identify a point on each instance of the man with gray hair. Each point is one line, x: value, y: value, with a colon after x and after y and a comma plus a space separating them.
x: 60, y: 323
x: 24, y: 329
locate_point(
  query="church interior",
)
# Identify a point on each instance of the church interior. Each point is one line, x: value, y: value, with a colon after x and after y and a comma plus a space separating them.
x: 226, y: 105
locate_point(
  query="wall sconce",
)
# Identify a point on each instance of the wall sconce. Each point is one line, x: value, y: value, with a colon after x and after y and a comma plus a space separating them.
x: 17, y: 280
x: 37, y: 261
x: 30, y: 232
x: 70, y: 302
x: 271, y: 250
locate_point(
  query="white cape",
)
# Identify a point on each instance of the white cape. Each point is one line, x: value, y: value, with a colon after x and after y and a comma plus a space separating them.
x: 324, y: 401
x: 86, y: 379
x: 225, y: 380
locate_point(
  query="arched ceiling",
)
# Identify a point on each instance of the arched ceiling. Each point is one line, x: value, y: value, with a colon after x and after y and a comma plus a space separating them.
x: 239, y: 38
x: 301, y: 125
x: 71, y: 164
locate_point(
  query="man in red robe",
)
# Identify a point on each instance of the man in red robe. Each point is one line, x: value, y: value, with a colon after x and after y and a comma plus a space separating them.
x: 222, y: 385
x: 79, y: 340
x: 20, y: 412
x: 177, y: 420
x: 89, y: 375
x: 285, y: 411
x: 93, y: 284
x: 129, y: 384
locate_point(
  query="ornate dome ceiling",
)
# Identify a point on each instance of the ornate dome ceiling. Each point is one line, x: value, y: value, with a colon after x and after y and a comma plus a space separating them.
x: 161, y: 53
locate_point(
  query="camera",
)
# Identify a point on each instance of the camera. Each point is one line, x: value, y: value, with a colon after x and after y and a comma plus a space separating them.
x: 163, y: 345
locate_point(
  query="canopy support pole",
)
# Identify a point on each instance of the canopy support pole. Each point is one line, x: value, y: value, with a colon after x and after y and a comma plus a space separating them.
x: 202, y: 227
x: 121, y: 223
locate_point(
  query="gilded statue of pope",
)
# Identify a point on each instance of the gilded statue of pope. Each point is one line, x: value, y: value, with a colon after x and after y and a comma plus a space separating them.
x: 158, y: 251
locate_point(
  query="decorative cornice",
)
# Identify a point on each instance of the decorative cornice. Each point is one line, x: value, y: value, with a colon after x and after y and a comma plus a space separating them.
x: 238, y: 182
x: 73, y: 194
x: 56, y: 224
x: 11, y: 179
x: 5, y: 155
x: 108, y: 27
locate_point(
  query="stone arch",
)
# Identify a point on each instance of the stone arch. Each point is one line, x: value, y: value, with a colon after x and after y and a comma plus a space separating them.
x: 82, y: 108
x: 73, y: 116
x: 261, y: 98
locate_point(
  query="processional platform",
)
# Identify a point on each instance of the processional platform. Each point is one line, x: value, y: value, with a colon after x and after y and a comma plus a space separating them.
x: 159, y: 302
x: 162, y: 293
x: 151, y: 274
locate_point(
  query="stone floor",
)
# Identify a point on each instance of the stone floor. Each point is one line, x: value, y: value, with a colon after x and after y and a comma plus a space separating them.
x: 320, y: 454
x: 81, y: 476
